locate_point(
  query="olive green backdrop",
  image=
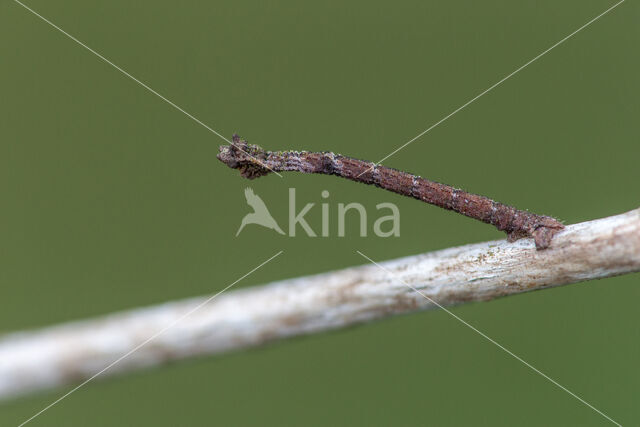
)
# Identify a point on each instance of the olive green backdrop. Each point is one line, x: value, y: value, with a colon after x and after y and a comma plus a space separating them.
x: 112, y: 199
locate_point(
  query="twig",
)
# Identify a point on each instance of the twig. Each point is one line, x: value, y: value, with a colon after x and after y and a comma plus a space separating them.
x: 72, y: 352
x: 253, y: 162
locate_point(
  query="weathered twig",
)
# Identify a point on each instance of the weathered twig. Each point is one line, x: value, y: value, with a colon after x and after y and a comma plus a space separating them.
x: 72, y: 352
x: 253, y: 161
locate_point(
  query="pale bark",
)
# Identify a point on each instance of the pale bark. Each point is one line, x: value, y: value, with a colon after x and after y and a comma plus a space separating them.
x: 73, y: 352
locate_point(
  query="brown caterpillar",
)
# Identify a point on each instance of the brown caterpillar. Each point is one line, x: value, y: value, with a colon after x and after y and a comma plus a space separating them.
x: 253, y: 161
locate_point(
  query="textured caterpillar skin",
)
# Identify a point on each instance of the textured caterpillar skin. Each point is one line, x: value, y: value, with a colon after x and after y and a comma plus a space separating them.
x: 253, y: 162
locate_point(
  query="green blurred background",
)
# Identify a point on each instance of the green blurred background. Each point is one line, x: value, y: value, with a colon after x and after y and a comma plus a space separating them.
x: 112, y: 199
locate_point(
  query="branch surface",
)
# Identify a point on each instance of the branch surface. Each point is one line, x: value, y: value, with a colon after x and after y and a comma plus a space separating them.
x: 73, y: 352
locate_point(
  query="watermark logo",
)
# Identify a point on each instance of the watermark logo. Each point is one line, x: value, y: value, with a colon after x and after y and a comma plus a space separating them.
x: 383, y: 226
x: 260, y: 215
